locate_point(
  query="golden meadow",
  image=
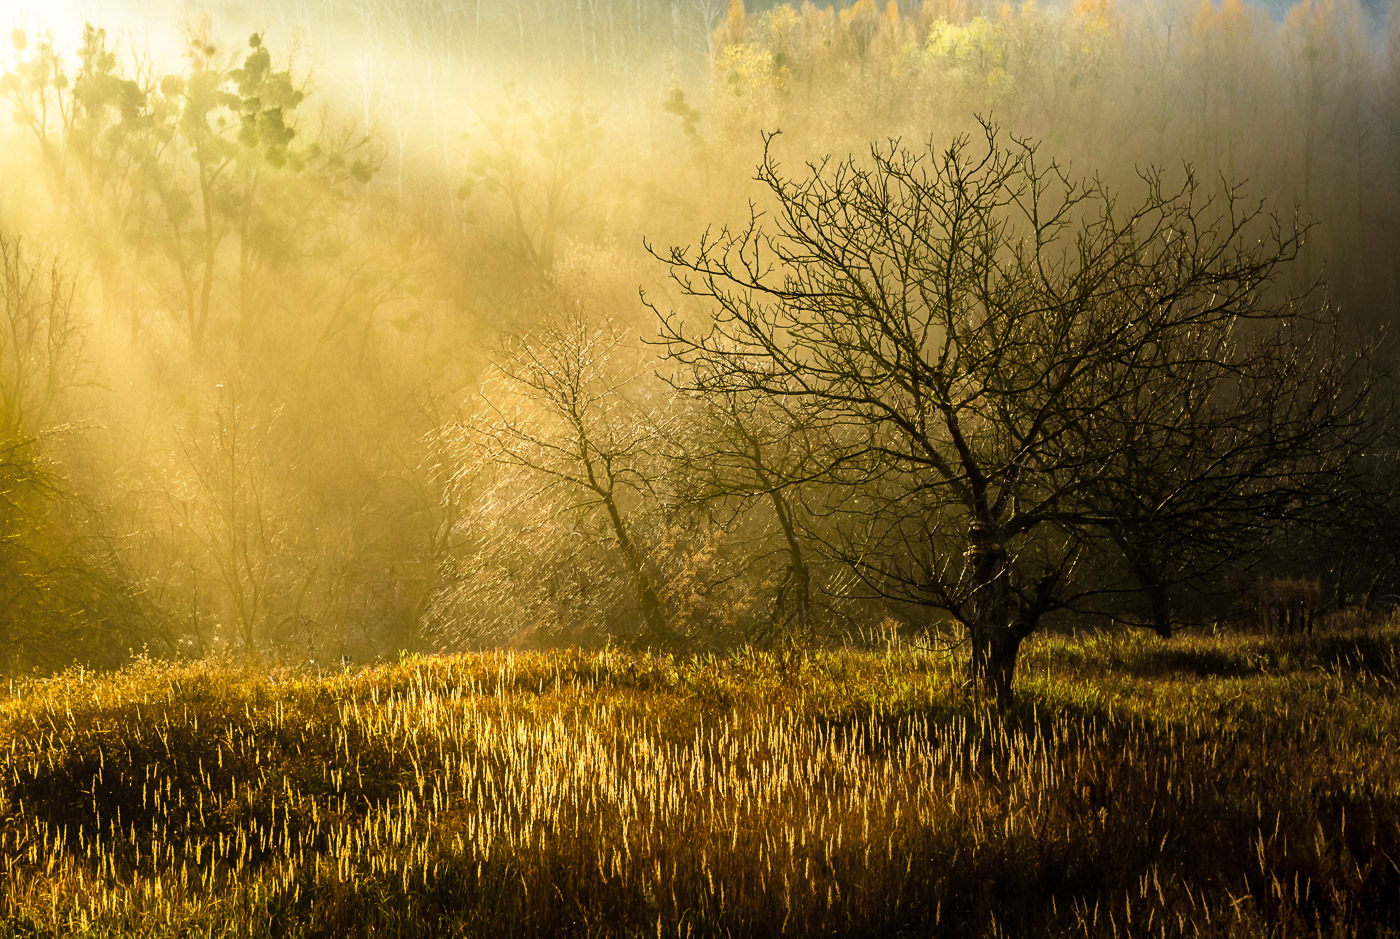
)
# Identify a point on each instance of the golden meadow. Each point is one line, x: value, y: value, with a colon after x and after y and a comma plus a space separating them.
x: 1214, y: 786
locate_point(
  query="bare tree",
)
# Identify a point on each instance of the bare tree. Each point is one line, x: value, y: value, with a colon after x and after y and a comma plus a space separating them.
x: 60, y: 599
x: 1238, y: 444
x: 738, y: 450
x: 234, y: 507
x: 974, y: 320
x: 560, y: 411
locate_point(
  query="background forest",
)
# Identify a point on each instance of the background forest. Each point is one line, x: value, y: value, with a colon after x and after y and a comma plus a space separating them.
x: 320, y: 331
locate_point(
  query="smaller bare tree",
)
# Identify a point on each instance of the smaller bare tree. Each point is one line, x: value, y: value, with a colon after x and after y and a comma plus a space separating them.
x: 560, y: 410
x: 234, y: 507
x: 735, y: 451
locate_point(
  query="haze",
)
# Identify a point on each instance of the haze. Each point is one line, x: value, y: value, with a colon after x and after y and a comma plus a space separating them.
x: 275, y: 392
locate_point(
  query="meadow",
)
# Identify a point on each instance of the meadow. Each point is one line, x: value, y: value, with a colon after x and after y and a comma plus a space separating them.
x: 1225, y: 785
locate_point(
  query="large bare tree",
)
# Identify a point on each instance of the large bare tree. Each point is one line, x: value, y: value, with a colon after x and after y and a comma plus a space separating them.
x: 1039, y: 385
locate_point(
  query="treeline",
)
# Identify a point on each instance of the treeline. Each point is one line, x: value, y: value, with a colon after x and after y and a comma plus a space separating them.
x: 287, y: 380
x: 1301, y: 104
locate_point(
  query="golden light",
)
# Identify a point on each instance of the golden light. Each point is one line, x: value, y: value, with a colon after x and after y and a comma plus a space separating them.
x: 150, y: 27
x: 35, y: 17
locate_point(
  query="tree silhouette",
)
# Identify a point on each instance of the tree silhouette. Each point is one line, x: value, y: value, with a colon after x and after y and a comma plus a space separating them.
x: 1010, y: 353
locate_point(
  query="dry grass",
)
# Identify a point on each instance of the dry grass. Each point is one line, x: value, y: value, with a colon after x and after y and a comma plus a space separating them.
x: 1213, y: 786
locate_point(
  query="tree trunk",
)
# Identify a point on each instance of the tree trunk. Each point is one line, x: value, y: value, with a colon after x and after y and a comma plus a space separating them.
x: 993, y: 666
x: 1160, y: 599
x: 1339, y: 583
x: 797, y: 565
x: 995, y: 629
x: 1149, y: 577
x: 650, y: 603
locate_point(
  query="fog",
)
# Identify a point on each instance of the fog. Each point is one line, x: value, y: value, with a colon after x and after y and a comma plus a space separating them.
x: 320, y: 317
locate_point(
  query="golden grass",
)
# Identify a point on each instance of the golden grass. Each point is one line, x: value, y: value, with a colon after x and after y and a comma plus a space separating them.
x: 1212, y: 786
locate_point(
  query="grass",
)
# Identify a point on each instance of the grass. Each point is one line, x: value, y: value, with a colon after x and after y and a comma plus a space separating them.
x: 1214, y: 786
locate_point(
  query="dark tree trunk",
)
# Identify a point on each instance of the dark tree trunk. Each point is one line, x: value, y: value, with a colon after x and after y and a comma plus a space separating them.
x: 995, y: 630
x: 797, y: 565
x: 1339, y: 583
x: 1160, y: 599
x: 1149, y: 577
x: 656, y: 628
x: 994, y: 654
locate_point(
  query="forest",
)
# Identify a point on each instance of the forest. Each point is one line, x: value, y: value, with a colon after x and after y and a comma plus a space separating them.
x: 1008, y: 384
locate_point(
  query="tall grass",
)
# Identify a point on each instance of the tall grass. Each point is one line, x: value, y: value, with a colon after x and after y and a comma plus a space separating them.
x: 1218, y: 787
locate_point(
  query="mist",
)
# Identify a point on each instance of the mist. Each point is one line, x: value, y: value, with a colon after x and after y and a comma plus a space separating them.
x: 320, y: 314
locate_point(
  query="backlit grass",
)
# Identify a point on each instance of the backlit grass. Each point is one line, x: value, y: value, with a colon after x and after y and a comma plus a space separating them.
x: 1207, y: 786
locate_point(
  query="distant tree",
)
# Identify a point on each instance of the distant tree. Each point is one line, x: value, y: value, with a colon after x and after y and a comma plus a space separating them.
x: 1241, y: 438
x: 1326, y: 45
x: 38, y: 90
x: 185, y: 169
x: 236, y: 176
x: 703, y: 24
x: 735, y: 450
x: 94, y: 130
x: 1230, y: 75
x: 234, y: 507
x: 537, y: 163
x: 1011, y: 353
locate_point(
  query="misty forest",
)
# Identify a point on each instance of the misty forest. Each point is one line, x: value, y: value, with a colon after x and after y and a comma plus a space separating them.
x: 700, y: 468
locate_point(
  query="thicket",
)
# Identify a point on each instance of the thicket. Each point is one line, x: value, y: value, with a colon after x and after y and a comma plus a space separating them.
x: 356, y: 365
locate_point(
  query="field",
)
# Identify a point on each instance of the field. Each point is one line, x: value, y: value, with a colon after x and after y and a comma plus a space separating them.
x: 1215, y: 786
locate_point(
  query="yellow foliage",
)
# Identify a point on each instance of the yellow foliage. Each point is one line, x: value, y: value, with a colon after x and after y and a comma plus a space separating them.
x: 970, y: 51
x: 1098, y: 16
x: 782, y: 19
x: 746, y: 67
x: 1230, y: 23
x: 1205, y: 17
x: 956, y: 11
x: 855, y: 12
x: 734, y: 28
